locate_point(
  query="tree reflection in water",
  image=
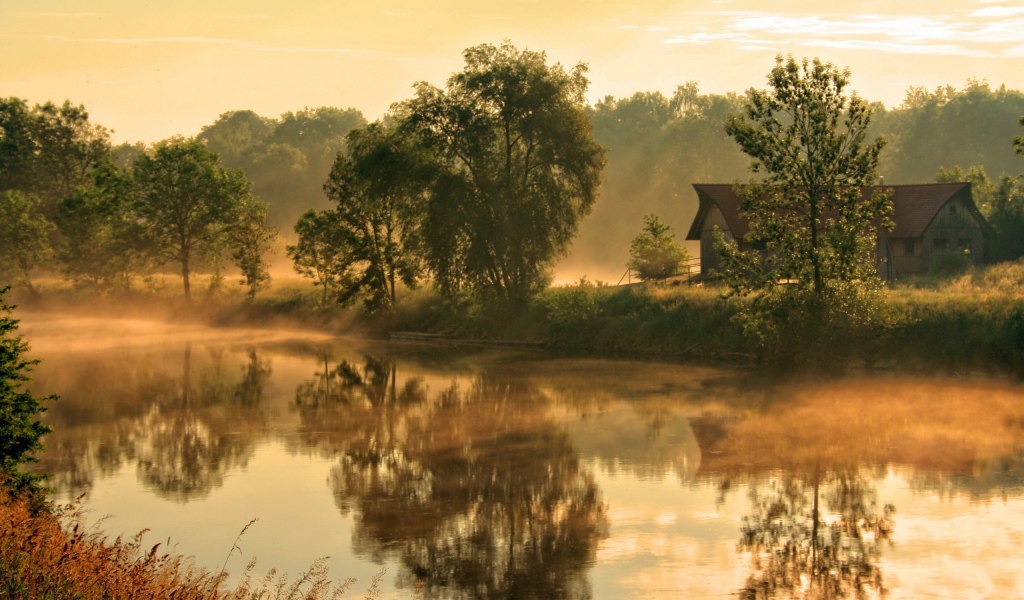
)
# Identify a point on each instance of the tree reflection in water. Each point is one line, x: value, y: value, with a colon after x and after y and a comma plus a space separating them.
x: 190, y: 428
x: 474, y: 490
x: 815, y: 537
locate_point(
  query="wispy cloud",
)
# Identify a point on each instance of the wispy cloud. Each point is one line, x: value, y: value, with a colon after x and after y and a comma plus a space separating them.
x: 60, y: 15
x: 999, y: 11
x: 214, y: 41
x: 994, y: 31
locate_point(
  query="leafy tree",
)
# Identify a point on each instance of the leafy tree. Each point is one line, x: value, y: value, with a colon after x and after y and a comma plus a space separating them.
x: 48, y: 150
x: 250, y: 239
x: 519, y: 168
x: 24, y: 237
x: 811, y: 223
x: 189, y: 205
x: 20, y: 427
x: 322, y: 254
x: 233, y: 135
x: 655, y: 254
x: 100, y: 240
x: 378, y: 187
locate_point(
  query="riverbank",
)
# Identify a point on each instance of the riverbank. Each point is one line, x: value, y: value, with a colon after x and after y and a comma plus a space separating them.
x: 971, y: 322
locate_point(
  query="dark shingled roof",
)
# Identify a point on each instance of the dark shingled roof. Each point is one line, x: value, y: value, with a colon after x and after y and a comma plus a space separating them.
x: 914, y: 206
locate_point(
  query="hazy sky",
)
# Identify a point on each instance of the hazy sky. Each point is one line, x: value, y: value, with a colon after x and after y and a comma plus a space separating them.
x: 152, y: 69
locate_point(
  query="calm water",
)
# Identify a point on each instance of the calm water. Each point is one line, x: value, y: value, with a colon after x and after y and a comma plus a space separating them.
x: 472, y: 473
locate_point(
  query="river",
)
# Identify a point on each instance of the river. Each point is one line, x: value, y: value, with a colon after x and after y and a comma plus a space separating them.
x: 500, y: 473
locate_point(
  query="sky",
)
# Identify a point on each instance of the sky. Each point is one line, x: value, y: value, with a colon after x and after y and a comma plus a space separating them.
x: 149, y: 70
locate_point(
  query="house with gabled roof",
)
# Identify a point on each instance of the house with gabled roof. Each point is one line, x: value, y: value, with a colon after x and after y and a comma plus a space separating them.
x: 929, y: 219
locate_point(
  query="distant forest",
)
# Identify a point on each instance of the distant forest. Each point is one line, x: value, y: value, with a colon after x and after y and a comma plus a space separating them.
x: 656, y: 147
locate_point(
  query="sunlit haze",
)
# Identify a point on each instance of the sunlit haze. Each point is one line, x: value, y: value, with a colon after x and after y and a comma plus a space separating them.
x: 150, y: 70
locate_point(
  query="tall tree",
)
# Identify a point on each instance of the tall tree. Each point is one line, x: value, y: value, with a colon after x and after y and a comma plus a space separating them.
x: 520, y: 169
x: 378, y: 186
x: 188, y: 204
x: 20, y: 427
x: 811, y: 222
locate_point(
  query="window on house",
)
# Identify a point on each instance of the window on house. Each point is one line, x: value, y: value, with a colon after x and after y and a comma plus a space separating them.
x: 939, y: 244
x: 909, y: 248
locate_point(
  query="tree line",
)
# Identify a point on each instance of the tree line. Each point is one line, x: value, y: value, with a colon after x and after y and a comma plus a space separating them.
x: 480, y: 185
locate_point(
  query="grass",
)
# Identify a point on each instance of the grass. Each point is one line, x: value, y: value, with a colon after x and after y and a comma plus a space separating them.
x: 966, y: 321
x: 46, y: 553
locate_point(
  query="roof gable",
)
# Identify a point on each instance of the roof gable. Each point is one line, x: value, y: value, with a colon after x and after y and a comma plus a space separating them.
x: 914, y: 206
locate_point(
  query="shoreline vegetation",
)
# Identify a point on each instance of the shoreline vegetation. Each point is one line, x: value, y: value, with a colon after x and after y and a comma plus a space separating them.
x: 969, y: 322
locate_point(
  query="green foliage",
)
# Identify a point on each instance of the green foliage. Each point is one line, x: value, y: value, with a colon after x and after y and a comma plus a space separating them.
x: 656, y: 147
x: 100, y: 240
x: 191, y: 208
x: 378, y: 187
x: 949, y: 126
x: 24, y: 237
x: 20, y: 427
x: 810, y: 224
x: 47, y: 150
x: 322, y: 254
x: 287, y: 159
x: 519, y: 169
x: 655, y: 254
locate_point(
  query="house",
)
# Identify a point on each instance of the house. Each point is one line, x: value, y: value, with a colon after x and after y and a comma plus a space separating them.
x: 929, y: 218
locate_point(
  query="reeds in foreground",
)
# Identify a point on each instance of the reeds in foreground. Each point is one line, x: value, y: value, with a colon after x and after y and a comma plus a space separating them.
x: 47, y: 554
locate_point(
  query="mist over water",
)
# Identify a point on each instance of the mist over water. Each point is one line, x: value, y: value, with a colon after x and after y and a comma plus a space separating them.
x: 510, y: 474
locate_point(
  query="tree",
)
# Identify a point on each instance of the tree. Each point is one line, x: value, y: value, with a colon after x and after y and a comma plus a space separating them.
x: 378, y: 186
x: 321, y: 253
x: 519, y: 169
x: 48, y: 150
x: 100, y: 239
x: 20, y: 427
x: 655, y: 254
x: 812, y: 224
x: 189, y: 205
x: 24, y: 237
x: 250, y: 239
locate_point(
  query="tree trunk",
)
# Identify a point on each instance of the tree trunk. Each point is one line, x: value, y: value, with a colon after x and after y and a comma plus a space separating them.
x: 184, y: 279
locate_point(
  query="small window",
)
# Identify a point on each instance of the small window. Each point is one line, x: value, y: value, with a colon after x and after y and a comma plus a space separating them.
x: 909, y: 248
x: 952, y: 209
x: 939, y: 244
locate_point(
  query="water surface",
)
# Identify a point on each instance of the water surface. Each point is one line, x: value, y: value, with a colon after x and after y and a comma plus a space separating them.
x: 472, y: 473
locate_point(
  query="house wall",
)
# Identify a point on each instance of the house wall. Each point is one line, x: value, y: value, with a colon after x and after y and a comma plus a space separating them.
x: 710, y: 259
x: 954, y: 228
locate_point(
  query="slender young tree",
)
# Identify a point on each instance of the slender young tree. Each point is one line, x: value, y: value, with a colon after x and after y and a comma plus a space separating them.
x: 322, y: 254
x: 813, y: 223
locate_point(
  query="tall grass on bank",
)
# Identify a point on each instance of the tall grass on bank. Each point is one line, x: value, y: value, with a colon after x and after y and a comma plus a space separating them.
x: 47, y: 554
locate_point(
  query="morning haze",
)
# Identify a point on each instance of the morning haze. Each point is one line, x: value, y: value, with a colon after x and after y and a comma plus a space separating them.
x: 411, y: 299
